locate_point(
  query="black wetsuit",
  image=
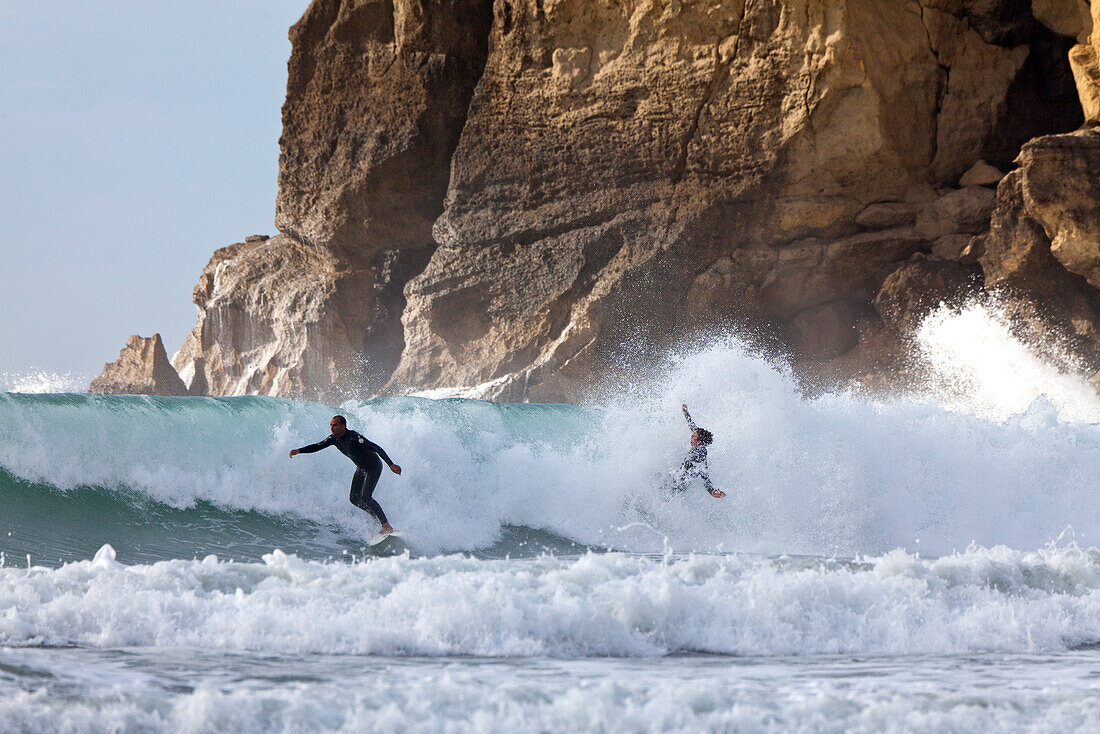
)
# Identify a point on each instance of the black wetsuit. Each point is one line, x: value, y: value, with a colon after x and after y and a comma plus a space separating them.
x: 695, y: 464
x: 368, y: 468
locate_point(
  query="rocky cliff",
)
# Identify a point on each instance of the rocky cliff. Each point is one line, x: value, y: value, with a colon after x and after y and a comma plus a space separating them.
x: 377, y: 94
x: 520, y: 197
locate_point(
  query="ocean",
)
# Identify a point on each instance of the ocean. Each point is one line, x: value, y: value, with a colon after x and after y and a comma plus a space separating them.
x: 925, y: 563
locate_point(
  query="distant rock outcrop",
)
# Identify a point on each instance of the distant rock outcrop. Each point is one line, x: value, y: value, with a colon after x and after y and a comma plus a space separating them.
x: 142, y: 369
x: 515, y: 196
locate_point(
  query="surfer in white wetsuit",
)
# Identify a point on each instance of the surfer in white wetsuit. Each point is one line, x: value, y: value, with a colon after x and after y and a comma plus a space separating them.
x: 695, y: 464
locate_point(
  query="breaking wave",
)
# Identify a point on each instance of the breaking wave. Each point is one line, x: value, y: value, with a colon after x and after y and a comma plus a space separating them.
x: 837, y: 474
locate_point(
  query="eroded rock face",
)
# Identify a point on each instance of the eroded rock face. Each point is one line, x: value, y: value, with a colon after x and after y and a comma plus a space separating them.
x: 981, y: 174
x: 376, y: 96
x: 1070, y: 18
x: 921, y: 285
x: 1061, y: 186
x: 377, y: 92
x: 556, y: 186
x: 142, y: 368
x: 277, y: 317
x: 1084, y: 59
x: 630, y: 173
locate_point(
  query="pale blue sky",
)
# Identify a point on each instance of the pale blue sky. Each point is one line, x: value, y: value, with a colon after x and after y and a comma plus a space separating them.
x: 136, y: 137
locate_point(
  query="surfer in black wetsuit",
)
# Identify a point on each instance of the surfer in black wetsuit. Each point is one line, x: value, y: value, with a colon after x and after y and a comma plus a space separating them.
x: 367, y: 466
x: 695, y: 465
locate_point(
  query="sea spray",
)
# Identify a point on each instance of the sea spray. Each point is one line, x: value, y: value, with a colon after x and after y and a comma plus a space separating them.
x: 976, y: 363
x: 43, y: 381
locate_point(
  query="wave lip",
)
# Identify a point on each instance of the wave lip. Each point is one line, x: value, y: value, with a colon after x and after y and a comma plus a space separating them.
x: 597, y: 605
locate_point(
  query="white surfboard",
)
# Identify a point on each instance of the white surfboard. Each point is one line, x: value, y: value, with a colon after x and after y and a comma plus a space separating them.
x: 381, y: 537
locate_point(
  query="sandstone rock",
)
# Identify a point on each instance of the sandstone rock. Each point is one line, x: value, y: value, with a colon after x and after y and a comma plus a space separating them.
x: 977, y: 86
x: 825, y: 331
x: 951, y: 246
x: 958, y: 212
x: 1061, y: 187
x: 1042, y: 100
x: 973, y: 252
x: 377, y: 92
x: 1084, y: 59
x: 376, y: 98
x: 919, y: 286
x: 278, y: 317
x: 879, y: 364
x: 1052, y: 302
x: 999, y: 22
x: 142, y: 368
x: 556, y: 245
x: 812, y: 273
x: 887, y: 215
x: 1065, y: 17
x: 1016, y: 252
x: 981, y: 174
x: 606, y: 179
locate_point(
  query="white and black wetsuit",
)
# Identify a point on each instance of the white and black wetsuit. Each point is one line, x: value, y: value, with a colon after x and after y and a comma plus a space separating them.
x: 368, y: 468
x: 695, y: 464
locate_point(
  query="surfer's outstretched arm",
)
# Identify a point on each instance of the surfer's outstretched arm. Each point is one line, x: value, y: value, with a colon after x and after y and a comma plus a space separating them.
x: 314, y: 447
x: 709, y: 485
x: 687, y: 417
x: 372, y: 446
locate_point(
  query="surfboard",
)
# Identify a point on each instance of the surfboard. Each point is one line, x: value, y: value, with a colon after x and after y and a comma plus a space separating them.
x: 382, y: 538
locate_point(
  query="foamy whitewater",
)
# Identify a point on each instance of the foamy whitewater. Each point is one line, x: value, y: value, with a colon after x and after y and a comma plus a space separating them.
x: 914, y: 564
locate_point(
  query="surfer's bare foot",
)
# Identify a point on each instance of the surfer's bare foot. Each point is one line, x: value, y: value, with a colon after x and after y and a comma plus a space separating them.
x: 386, y: 529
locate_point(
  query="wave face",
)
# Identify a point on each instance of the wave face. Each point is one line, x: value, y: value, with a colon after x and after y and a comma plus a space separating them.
x: 838, y: 474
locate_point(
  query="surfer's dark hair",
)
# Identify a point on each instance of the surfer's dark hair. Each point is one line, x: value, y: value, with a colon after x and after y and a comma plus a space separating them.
x: 705, y: 437
x: 342, y: 419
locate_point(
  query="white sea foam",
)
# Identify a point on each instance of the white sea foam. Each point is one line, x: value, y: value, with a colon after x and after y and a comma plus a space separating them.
x: 595, y: 605
x: 1010, y: 457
